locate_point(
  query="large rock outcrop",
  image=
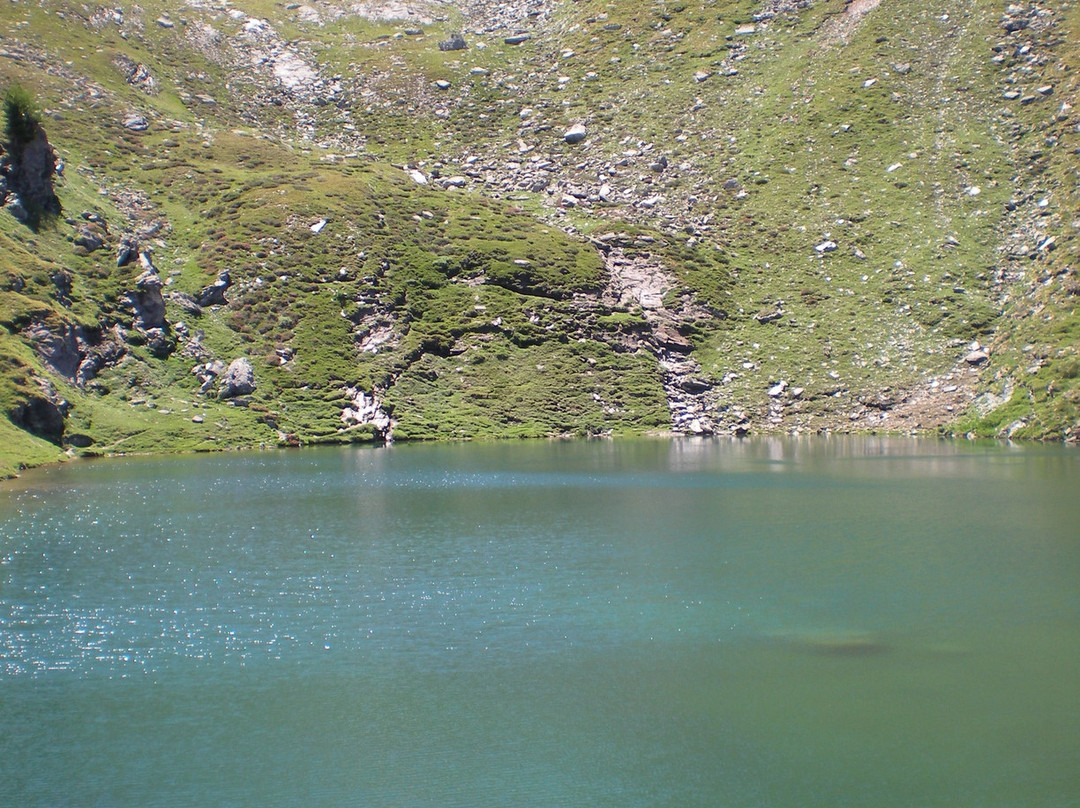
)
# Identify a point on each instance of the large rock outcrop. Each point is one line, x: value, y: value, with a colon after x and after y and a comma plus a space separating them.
x: 42, y: 413
x: 239, y: 379
x: 214, y: 294
x: 148, y: 306
x: 27, y: 169
x: 75, y: 352
x: 147, y: 301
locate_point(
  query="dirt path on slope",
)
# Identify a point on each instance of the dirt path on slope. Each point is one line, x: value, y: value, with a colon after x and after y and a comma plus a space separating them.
x: 840, y: 28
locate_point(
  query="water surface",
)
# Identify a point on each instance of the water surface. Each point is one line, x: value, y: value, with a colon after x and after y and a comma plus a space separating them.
x: 856, y: 622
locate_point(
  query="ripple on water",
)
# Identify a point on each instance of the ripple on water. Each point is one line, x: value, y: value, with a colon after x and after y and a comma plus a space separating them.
x: 552, y: 625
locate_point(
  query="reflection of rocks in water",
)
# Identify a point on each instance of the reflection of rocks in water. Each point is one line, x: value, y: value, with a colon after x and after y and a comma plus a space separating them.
x: 833, y: 643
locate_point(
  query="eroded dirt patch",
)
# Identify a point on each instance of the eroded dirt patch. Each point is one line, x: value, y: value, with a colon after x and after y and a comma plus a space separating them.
x: 839, y: 29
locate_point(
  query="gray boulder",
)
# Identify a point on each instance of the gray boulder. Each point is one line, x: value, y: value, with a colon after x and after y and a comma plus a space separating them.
x: 214, y: 294
x: 159, y: 342
x: 185, y: 302
x: 128, y: 251
x: 455, y: 42
x: 976, y: 357
x: 136, y: 122
x: 147, y: 301
x: 89, y: 237
x: 238, y: 379
x: 576, y: 133
x: 135, y: 73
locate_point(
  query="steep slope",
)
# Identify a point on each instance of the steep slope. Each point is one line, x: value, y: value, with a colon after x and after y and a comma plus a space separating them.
x: 328, y: 221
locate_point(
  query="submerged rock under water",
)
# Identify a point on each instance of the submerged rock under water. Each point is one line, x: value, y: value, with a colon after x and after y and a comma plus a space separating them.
x: 833, y: 643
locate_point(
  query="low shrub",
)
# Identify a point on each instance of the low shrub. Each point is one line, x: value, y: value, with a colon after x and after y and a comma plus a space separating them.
x: 21, y: 116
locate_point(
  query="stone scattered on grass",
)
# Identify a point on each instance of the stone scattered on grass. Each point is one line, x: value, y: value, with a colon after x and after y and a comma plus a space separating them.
x: 136, y: 123
x: 454, y: 43
x: 576, y: 133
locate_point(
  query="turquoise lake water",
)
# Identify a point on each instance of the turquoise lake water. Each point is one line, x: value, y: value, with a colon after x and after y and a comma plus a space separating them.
x: 769, y: 622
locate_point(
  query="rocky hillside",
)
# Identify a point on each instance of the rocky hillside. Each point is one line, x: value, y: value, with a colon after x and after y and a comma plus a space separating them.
x: 284, y: 224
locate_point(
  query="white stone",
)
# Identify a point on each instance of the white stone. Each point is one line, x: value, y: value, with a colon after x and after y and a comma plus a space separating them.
x: 576, y: 133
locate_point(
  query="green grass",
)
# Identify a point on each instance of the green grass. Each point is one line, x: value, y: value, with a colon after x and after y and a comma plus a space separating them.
x: 492, y: 297
x: 22, y: 450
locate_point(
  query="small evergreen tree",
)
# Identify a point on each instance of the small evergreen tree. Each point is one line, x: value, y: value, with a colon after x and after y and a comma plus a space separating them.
x: 21, y: 116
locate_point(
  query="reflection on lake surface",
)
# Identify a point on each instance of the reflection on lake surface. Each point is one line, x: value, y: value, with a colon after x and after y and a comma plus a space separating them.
x: 774, y: 622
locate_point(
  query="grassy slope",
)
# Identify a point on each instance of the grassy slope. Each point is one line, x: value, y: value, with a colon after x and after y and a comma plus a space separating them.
x: 1035, y: 388
x: 807, y: 127
x: 235, y: 201
x: 880, y: 170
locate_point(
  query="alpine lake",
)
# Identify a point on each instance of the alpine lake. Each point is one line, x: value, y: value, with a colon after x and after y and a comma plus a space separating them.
x: 760, y: 622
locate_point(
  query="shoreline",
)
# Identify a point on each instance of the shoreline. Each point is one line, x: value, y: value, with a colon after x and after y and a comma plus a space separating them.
x: 7, y: 479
